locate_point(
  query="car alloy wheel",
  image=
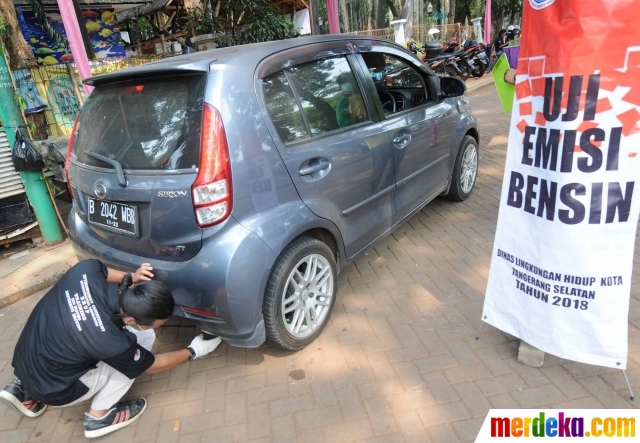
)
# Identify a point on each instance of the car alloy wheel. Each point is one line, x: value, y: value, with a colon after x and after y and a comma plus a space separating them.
x: 465, y: 170
x: 300, y: 294
x: 307, y: 295
x: 469, y: 168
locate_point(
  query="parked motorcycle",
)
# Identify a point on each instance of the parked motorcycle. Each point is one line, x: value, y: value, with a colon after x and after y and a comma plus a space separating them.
x: 432, y: 57
x: 54, y: 156
x: 463, y: 65
x: 454, y: 63
x: 477, y: 53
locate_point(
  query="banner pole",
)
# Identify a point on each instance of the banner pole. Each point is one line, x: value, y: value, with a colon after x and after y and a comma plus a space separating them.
x: 628, y: 384
x: 484, y: 325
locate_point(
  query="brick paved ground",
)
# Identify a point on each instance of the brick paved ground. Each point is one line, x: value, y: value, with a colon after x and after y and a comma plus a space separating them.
x: 399, y: 361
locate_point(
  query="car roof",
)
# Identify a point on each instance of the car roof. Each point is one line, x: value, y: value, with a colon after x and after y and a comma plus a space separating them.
x: 200, y: 61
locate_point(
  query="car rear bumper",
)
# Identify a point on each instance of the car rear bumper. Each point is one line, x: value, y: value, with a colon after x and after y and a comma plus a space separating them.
x: 226, y: 280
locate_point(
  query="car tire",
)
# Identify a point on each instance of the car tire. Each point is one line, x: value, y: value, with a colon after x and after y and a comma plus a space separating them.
x: 465, y: 170
x: 303, y: 282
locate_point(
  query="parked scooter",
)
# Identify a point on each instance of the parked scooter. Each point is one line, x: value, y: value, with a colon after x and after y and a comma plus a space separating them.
x: 477, y: 53
x: 54, y: 159
x: 453, y: 63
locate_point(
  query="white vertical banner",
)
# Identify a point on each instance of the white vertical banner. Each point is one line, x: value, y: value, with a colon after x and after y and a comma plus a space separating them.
x: 560, y: 275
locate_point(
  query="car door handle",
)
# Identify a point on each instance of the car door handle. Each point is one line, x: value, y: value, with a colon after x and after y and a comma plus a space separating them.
x: 402, y: 139
x: 308, y: 170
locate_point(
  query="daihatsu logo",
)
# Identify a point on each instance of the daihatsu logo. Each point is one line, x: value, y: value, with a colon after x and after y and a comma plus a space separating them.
x: 100, y: 191
x: 172, y: 194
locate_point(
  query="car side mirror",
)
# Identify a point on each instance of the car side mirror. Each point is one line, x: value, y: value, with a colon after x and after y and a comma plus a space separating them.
x: 451, y: 87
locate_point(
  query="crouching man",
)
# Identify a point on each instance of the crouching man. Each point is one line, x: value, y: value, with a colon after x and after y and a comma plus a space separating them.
x: 89, y: 337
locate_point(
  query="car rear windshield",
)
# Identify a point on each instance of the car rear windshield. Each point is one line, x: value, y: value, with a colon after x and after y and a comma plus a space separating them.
x: 145, y: 124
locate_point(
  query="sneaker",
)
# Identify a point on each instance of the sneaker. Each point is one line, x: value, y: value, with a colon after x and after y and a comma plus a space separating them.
x: 13, y: 395
x: 122, y: 414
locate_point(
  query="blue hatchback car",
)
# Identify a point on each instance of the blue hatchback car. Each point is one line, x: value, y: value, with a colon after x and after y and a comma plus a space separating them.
x: 249, y: 176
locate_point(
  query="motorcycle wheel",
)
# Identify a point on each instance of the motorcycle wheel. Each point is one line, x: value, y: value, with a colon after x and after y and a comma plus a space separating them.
x: 478, y: 70
x: 465, y: 70
x: 449, y: 71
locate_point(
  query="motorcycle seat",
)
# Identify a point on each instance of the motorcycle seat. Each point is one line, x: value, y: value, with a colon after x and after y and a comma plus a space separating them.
x: 440, y: 57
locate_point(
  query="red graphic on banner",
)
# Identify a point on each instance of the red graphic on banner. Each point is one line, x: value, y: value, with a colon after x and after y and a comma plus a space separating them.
x: 563, y: 48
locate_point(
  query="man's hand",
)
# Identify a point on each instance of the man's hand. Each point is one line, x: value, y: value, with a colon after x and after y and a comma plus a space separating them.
x: 202, y: 347
x: 510, y: 76
x: 143, y: 273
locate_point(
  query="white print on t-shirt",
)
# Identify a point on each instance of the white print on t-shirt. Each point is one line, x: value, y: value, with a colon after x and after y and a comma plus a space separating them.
x: 90, y: 308
x: 73, y: 307
x: 79, y: 306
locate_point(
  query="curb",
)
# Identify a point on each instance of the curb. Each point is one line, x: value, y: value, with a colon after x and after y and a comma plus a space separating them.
x: 479, y: 86
x: 19, y: 292
x: 9, y: 299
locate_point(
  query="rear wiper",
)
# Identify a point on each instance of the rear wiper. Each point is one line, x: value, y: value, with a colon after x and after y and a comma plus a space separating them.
x: 116, y: 165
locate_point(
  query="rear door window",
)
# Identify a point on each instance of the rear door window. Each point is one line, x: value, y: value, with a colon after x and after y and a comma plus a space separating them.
x: 283, y: 108
x: 146, y: 124
x: 314, y: 98
x: 329, y: 93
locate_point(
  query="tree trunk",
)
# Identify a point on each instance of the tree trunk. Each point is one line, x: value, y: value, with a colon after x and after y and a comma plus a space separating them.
x: 394, y: 11
x: 20, y: 55
x: 135, y: 36
x: 345, y: 15
x: 139, y: 11
x: 315, y: 28
x: 501, y: 18
x: 452, y: 11
x: 381, y: 12
x: 407, y: 13
x: 496, y: 17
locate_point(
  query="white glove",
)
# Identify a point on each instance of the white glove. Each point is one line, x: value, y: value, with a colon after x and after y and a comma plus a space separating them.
x: 202, y: 347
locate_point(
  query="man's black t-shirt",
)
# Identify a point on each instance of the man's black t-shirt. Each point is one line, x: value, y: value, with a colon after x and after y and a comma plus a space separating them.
x: 73, y: 327
x: 497, y: 43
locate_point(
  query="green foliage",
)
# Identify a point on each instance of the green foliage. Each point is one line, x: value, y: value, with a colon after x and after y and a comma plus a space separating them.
x: 269, y: 26
x: 55, y: 190
x: 4, y: 28
x: 476, y: 8
x: 19, y: 100
x: 146, y: 30
x: 4, y: 34
x: 239, y: 22
x: 22, y: 104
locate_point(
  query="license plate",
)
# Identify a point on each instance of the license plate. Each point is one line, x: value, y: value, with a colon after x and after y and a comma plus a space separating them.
x: 113, y: 216
x: 470, y: 62
x: 482, y: 55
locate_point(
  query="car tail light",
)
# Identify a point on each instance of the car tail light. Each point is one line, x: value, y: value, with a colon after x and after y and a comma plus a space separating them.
x: 136, y: 88
x: 67, y: 162
x: 211, y: 192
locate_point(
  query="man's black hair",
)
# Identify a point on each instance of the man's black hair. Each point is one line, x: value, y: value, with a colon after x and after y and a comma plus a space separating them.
x: 502, y: 31
x: 343, y: 78
x: 147, y: 302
